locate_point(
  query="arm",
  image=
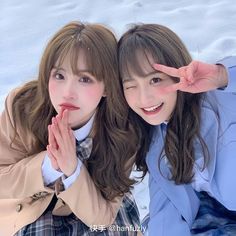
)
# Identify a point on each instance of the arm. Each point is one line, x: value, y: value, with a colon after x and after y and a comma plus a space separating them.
x: 229, y: 63
x: 17, y: 166
x: 218, y: 129
x: 201, y: 77
x: 87, y: 202
x: 21, y: 177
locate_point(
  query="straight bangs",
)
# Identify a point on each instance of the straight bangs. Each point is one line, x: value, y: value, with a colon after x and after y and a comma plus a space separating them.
x: 136, y: 54
x: 87, y: 43
x: 91, y: 54
x: 151, y: 43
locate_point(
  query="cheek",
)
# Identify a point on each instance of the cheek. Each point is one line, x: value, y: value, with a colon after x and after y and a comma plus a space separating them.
x: 52, y: 87
x: 173, y: 100
x: 96, y: 93
x: 130, y: 98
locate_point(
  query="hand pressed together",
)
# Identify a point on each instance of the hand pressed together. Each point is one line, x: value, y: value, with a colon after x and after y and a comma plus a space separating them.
x: 61, y: 144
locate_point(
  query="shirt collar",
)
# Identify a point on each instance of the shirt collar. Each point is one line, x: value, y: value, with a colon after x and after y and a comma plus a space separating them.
x: 84, y: 131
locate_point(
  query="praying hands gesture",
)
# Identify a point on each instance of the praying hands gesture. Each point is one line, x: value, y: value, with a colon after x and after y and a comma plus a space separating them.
x: 196, y: 77
x: 61, y: 144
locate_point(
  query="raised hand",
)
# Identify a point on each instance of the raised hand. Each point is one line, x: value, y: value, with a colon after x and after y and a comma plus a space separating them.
x: 196, y: 77
x: 61, y: 148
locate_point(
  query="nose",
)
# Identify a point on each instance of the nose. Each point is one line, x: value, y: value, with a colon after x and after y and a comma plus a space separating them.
x: 145, y: 96
x: 69, y: 91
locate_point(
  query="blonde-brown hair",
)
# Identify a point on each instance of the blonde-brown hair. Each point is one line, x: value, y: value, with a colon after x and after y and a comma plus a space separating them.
x: 113, y: 149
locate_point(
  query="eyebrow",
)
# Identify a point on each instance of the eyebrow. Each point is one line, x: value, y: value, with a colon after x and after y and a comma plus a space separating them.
x: 129, y: 79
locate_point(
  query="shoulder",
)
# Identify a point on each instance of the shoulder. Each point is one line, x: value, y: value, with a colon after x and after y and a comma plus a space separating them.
x: 8, y: 108
x: 9, y: 124
x: 219, y: 108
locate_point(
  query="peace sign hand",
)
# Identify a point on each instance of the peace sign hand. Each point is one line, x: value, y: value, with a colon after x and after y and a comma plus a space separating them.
x: 196, y: 77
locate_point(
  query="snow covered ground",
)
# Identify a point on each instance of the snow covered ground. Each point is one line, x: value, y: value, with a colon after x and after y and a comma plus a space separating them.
x: 208, y: 29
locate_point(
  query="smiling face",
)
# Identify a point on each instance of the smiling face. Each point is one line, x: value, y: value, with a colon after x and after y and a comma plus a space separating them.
x: 80, y: 93
x: 144, y: 93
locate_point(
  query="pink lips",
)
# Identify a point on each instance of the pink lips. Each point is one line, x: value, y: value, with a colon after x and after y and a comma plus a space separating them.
x: 68, y: 106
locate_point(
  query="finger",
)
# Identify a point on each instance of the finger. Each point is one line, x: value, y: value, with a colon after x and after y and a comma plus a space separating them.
x: 185, y: 75
x: 51, y: 138
x: 72, y: 137
x: 54, y: 120
x: 181, y: 85
x: 52, y: 158
x: 57, y: 134
x: 63, y: 125
x: 169, y: 89
x: 59, y: 115
x: 65, y: 116
x: 182, y: 72
x: 171, y: 71
x: 61, y: 111
x: 190, y: 71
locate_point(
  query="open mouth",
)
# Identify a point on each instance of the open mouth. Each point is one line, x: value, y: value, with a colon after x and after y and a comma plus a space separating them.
x: 152, y: 110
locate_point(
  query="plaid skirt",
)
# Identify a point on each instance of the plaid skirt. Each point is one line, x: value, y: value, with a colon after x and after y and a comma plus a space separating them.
x: 213, y: 219
x: 126, y: 223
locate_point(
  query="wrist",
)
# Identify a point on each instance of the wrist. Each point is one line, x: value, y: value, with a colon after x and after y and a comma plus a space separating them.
x: 222, y: 76
x: 71, y: 170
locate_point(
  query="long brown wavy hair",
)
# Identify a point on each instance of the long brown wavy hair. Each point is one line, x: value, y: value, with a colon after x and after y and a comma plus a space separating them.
x: 165, y: 47
x: 114, y: 139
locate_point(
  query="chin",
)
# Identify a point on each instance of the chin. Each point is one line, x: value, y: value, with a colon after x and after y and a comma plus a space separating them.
x: 154, y: 123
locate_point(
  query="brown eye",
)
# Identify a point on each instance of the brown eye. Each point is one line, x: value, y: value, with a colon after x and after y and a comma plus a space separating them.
x: 59, y: 76
x: 85, y: 79
x: 156, y: 80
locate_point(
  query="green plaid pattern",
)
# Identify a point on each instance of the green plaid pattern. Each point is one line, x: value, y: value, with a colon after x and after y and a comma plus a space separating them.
x: 84, y: 148
x: 50, y: 225
x: 126, y: 223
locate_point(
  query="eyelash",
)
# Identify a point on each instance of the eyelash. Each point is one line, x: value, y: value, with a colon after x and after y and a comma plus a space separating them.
x: 82, y: 79
x: 58, y: 76
x: 88, y: 80
x: 155, y: 82
x: 131, y: 87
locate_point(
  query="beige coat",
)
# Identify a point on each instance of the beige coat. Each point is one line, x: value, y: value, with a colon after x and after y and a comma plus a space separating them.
x: 23, y: 196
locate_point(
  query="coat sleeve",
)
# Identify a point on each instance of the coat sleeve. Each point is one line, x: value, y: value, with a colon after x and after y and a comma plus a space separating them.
x: 21, y: 177
x: 87, y: 202
x: 224, y: 175
x: 218, y: 129
x: 20, y: 173
x: 230, y: 65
